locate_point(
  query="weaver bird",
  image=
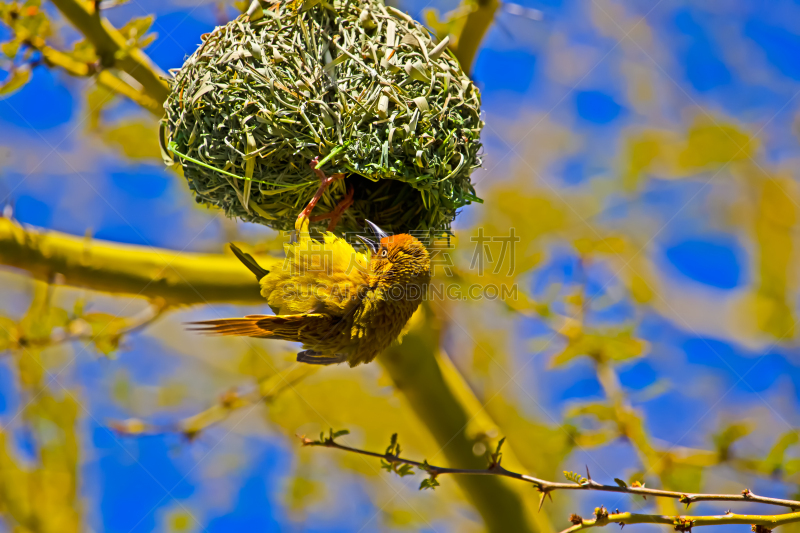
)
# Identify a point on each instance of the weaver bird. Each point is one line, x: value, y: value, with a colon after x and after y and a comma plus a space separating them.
x: 342, y: 305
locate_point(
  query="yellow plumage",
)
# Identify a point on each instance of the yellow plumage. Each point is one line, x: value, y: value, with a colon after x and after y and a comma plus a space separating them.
x: 339, y: 303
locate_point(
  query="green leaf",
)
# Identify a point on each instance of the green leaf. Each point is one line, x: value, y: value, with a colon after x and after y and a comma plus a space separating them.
x: 621, y: 483
x: 496, y: 457
x: 135, y: 32
x: 429, y: 483
x: 611, y: 346
x: 773, y: 462
x: 394, y: 446
x: 791, y: 467
x: 137, y: 140
x: 97, y: 99
x: 84, y: 52
x: 106, y: 331
x: 725, y: 438
x: 594, y: 439
x: 8, y: 333
x: 601, y: 411
x: 15, y: 81
x: 405, y: 470
x: 500, y: 445
x: 575, y: 478
x: 340, y: 433
x: 10, y: 48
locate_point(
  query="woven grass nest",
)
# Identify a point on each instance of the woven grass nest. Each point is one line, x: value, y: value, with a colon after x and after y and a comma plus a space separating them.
x: 358, y: 85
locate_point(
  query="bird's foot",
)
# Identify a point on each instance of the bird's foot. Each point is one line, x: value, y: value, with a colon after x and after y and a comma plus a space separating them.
x: 325, y: 182
x: 338, y: 211
x: 316, y: 358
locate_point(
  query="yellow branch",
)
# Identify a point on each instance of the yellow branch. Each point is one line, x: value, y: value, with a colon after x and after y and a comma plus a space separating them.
x: 178, y: 278
x: 110, y: 46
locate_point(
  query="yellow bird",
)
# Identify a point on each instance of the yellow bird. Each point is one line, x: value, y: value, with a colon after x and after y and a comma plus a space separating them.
x: 342, y: 305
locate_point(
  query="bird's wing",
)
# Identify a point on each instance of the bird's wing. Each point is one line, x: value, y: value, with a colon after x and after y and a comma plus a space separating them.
x: 317, y: 276
x: 285, y: 327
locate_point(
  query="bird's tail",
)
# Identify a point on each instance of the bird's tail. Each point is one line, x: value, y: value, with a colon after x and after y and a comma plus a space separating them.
x: 248, y: 261
x: 249, y: 326
x: 286, y: 327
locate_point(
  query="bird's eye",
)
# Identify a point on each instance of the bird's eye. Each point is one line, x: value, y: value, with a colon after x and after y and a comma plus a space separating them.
x: 384, y: 252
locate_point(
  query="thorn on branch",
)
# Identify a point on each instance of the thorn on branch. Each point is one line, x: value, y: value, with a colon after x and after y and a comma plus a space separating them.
x: 545, y: 494
x: 685, y: 499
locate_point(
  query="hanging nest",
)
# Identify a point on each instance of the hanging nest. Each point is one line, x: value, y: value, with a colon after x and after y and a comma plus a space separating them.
x: 355, y: 84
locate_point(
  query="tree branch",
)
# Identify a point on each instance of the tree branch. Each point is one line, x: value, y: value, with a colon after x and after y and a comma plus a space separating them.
x: 602, y: 516
x: 178, y: 278
x: 685, y: 523
x: 545, y: 486
x: 111, y: 47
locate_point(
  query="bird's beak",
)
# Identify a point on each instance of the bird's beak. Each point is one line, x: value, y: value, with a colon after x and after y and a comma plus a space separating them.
x: 378, y: 231
x: 372, y: 245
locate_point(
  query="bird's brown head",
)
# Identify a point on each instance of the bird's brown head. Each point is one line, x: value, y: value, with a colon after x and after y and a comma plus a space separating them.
x: 398, y: 259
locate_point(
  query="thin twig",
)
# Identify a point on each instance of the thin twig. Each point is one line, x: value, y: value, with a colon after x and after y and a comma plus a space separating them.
x: 547, y: 487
